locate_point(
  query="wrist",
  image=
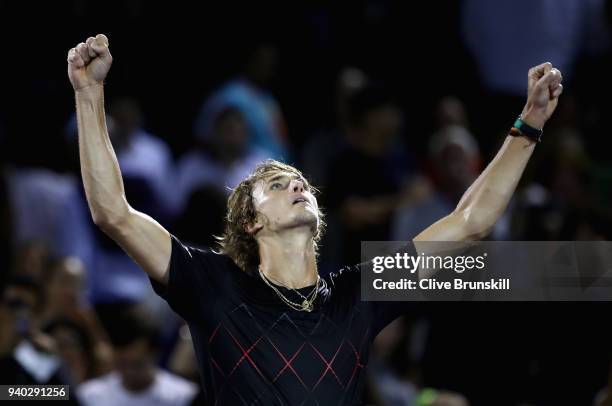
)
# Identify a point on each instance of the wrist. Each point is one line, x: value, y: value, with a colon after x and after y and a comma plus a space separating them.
x: 523, y: 129
x: 93, y: 89
x: 533, y: 117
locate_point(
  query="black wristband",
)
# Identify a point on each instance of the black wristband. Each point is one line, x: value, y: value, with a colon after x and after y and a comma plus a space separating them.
x: 526, y: 130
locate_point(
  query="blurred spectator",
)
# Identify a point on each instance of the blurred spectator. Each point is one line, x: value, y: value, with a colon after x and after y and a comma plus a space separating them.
x: 26, y: 354
x: 393, y: 373
x: 207, y: 174
x: 136, y: 379
x: 222, y: 160
x: 324, y: 145
x: 145, y: 160
x: 65, y: 285
x: 38, y: 198
x: 74, y: 347
x: 562, y: 186
x: 183, y: 360
x: 453, y: 163
x: 68, y: 315
x: 389, y: 378
x: 248, y: 93
x: 370, y: 176
x: 143, y: 157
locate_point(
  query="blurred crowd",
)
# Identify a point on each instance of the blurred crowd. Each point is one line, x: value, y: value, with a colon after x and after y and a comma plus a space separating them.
x: 74, y: 309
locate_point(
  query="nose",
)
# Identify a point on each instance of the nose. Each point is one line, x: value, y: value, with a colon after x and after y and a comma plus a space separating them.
x: 296, y: 186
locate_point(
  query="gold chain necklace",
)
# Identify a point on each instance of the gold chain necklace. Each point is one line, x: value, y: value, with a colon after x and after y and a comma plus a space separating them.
x: 307, y: 303
x: 312, y: 292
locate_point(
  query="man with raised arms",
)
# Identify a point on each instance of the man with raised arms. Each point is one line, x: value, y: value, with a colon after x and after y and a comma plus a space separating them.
x: 266, y: 328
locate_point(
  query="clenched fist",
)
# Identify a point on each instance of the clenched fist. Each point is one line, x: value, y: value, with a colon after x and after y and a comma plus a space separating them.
x: 543, y: 90
x: 89, y: 62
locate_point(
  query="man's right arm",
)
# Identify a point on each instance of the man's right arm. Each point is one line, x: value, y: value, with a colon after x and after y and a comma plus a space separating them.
x: 141, y: 237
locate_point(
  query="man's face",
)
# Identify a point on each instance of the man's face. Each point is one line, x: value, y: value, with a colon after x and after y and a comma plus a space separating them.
x: 136, y: 365
x: 283, y: 201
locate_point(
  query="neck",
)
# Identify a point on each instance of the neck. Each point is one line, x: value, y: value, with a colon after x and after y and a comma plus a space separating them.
x: 289, y: 258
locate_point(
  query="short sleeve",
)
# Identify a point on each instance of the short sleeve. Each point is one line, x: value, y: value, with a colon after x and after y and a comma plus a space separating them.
x: 196, y: 278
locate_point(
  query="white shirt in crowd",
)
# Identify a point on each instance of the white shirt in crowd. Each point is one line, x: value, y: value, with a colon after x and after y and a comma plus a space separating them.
x: 167, y: 389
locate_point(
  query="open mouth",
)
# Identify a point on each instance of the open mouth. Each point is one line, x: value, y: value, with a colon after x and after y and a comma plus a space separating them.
x: 299, y: 200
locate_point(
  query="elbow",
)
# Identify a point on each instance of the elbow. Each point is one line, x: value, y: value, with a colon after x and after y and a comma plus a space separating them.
x: 109, y: 223
x: 106, y: 223
x: 476, y: 225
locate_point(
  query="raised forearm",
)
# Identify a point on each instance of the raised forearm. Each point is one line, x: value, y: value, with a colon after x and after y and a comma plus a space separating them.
x: 484, y: 202
x: 487, y: 198
x: 99, y: 166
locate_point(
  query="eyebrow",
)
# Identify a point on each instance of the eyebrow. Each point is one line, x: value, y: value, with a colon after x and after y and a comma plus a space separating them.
x: 275, y: 178
x: 279, y: 177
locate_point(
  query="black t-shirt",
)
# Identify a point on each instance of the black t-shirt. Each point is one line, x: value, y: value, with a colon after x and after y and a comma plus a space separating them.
x: 253, y: 349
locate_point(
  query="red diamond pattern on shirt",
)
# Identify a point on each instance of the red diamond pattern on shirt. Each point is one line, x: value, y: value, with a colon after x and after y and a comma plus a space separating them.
x: 288, y: 363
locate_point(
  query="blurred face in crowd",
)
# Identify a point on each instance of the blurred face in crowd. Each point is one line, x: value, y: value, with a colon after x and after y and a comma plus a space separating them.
x: 65, y: 284
x: 284, y: 201
x: 451, y: 111
x: 17, y: 310
x: 231, y: 133
x: 455, y: 159
x: 135, y: 363
x: 380, y: 127
x: 350, y: 81
x: 127, y: 118
x: 455, y: 165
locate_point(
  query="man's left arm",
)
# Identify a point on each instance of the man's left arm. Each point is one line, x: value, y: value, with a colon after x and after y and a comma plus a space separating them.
x: 486, y: 199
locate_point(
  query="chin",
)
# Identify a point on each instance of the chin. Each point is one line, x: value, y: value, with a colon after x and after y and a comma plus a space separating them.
x: 305, y: 218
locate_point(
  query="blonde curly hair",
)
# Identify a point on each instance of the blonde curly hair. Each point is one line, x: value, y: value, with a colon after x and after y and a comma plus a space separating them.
x: 236, y: 242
